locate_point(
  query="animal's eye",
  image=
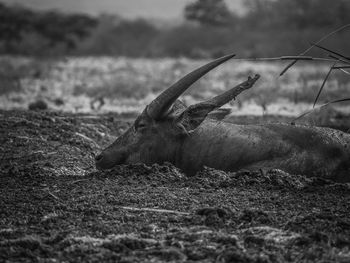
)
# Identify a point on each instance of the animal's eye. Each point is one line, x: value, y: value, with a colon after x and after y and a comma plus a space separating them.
x: 140, y: 126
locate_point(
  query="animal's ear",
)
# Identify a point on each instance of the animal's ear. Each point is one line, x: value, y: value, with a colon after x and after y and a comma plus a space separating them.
x: 193, y: 116
x: 176, y: 110
x: 219, y: 114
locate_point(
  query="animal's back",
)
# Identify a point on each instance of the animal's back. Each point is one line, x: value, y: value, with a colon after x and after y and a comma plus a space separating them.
x: 316, y: 150
x: 295, y: 149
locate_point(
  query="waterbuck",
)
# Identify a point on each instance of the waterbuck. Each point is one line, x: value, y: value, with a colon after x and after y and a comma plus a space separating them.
x: 192, y: 137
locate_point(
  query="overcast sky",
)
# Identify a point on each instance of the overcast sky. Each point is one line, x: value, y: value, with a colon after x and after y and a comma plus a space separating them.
x: 171, y: 9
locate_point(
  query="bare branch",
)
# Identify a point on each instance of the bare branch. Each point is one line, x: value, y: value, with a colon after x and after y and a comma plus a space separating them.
x: 324, y: 82
x: 153, y: 210
x: 324, y: 105
x: 341, y: 67
x: 345, y: 71
x: 339, y: 58
x: 309, y: 48
x: 333, y: 52
x: 297, y: 58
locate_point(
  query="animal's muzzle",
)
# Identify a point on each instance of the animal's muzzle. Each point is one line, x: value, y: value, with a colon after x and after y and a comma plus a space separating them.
x: 99, y: 161
x: 103, y: 161
x: 99, y: 157
x: 107, y: 159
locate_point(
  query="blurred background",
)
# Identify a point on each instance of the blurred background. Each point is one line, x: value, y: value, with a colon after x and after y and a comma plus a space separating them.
x: 117, y: 55
x: 166, y: 28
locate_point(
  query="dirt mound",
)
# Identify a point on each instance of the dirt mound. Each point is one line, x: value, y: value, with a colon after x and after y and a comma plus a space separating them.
x: 55, y: 207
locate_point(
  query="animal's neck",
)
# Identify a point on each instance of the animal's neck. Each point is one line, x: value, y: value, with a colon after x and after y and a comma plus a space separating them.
x: 218, y: 145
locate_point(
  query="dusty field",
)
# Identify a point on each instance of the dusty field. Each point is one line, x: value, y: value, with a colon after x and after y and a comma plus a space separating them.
x: 105, y: 84
x: 55, y: 207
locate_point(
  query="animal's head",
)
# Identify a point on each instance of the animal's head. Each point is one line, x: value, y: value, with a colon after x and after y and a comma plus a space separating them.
x: 159, y: 131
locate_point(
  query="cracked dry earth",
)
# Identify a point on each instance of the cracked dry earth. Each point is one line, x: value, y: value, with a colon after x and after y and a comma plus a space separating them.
x: 55, y: 207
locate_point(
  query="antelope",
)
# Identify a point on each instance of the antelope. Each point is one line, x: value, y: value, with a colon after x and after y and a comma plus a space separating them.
x: 196, y: 136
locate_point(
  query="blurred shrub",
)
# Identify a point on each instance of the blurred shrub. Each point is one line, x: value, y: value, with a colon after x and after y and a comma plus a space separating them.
x: 9, y: 78
x: 38, y: 105
x: 114, y: 36
x: 208, y: 12
x: 12, y: 72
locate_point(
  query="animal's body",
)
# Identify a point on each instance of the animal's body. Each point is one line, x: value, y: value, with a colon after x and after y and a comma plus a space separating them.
x: 167, y: 131
x: 295, y: 149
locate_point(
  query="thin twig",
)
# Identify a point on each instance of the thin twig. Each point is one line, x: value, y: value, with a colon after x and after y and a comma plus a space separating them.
x: 324, y: 105
x: 80, y: 180
x: 153, y: 210
x: 309, y: 48
x: 324, y: 82
x: 331, y: 51
x: 341, y: 67
x: 82, y: 117
x: 343, y: 70
x: 286, y: 58
x: 50, y: 153
x: 297, y: 57
x: 87, y: 138
x: 339, y: 58
x: 53, y: 195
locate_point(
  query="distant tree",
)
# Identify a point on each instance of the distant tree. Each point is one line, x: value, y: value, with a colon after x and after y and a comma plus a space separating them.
x: 52, y: 28
x: 316, y: 13
x: 57, y: 27
x: 13, y: 21
x: 208, y: 12
x: 298, y: 14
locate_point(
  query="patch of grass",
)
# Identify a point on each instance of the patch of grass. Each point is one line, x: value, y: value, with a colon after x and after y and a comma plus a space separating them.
x: 124, y: 82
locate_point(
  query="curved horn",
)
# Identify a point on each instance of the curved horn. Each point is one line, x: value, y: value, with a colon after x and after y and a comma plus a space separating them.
x: 231, y: 94
x: 162, y: 103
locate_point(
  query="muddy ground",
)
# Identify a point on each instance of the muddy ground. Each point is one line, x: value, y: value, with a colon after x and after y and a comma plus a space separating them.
x: 55, y: 207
